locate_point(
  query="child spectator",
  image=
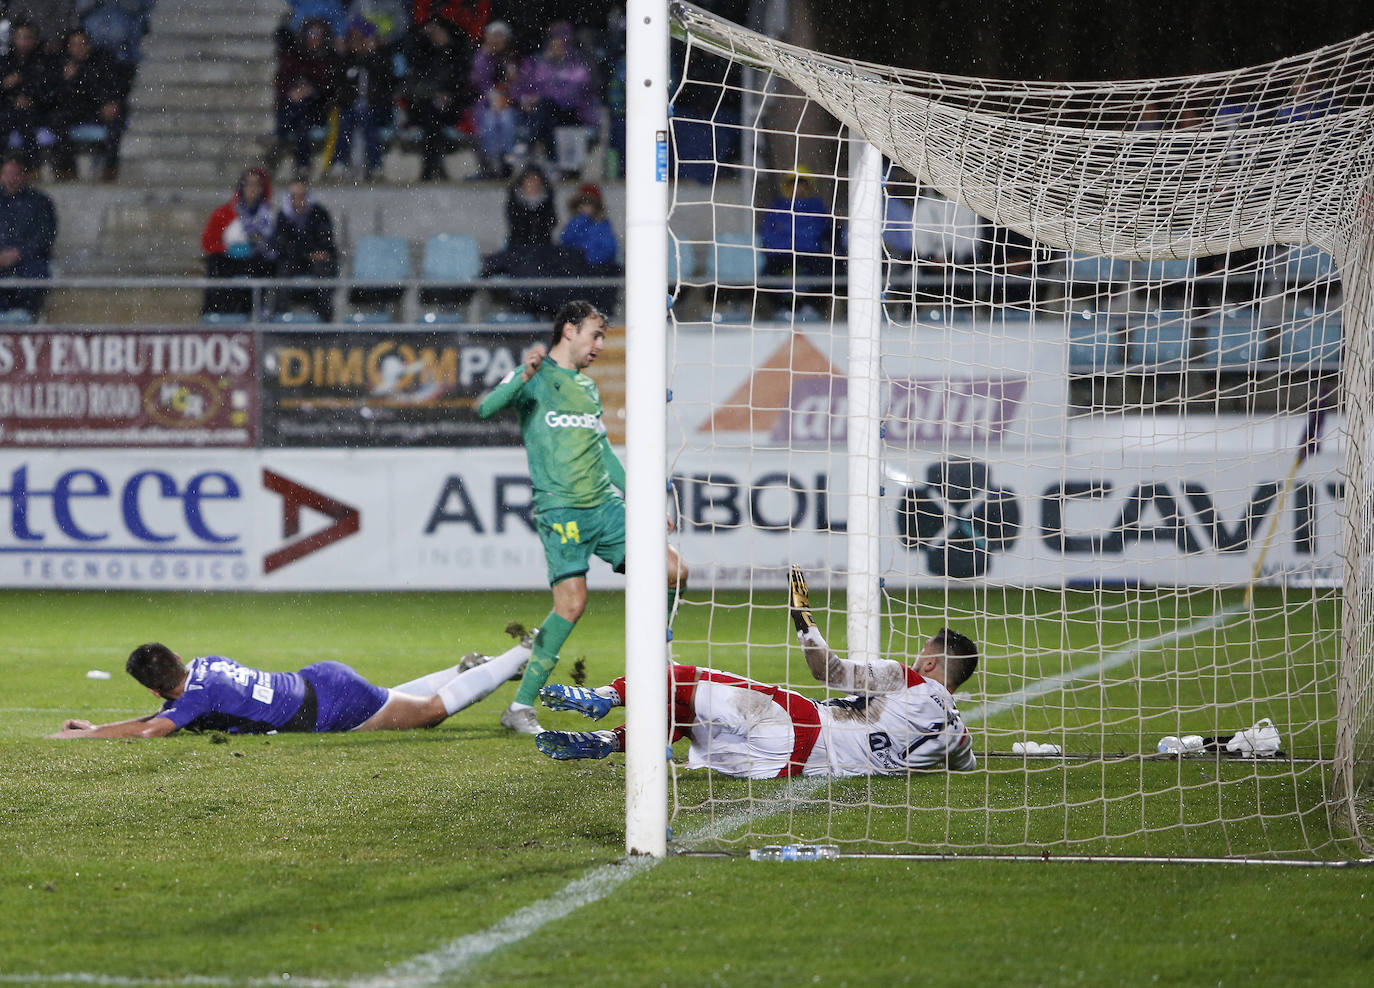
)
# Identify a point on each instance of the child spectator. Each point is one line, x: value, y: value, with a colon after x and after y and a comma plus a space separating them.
x: 440, y: 63
x: 307, y: 85
x: 28, y: 227
x: 589, y: 231
x: 89, y: 90
x: 27, y: 81
x: 367, y: 97
x: 238, y: 241
x: 305, y: 248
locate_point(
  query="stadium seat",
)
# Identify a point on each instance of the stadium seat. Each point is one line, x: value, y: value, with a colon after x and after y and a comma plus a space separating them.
x: 1233, y: 338
x: 1304, y: 266
x: 682, y: 260
x: 734, y: 260
x: 1314, y: 340
x: 449, y: 257
x: 380, y: 259
x: 366, y: 318
x: 16, y: 317
x: 443, y: 317
x: 225, y: 318
x: 1094, y: 346
x: 1163, y: 338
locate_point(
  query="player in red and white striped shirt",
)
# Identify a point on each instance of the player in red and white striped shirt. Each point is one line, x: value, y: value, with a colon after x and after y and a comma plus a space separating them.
x: 896, y: 718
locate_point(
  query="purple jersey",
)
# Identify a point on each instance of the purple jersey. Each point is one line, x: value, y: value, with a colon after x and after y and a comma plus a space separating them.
x: 222, y: 695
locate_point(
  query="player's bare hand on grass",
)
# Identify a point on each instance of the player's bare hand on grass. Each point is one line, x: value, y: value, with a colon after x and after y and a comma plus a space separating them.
x: 799, y: 599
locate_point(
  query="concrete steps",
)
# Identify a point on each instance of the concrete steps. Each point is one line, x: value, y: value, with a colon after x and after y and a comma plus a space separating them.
x: 204, y: 93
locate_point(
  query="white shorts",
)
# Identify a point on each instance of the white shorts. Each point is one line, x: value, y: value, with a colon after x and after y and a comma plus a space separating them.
x: 739, y: 732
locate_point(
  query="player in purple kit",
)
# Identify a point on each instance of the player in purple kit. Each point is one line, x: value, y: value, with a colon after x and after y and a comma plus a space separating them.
x: 213, y: 693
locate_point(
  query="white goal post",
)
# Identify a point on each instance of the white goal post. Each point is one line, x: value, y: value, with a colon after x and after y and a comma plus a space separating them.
x: 1080, y: 369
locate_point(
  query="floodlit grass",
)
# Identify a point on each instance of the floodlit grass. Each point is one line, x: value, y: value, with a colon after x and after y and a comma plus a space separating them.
x: 337, y: 857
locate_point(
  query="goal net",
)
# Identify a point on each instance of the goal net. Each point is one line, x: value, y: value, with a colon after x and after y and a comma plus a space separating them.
x: 1080, y: 370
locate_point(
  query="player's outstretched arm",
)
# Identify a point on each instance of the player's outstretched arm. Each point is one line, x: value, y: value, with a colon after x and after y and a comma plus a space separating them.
x: 876, y: 676
x: 149, y: 726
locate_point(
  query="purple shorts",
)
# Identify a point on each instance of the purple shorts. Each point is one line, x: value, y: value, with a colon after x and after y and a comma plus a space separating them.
x: 345, y: 698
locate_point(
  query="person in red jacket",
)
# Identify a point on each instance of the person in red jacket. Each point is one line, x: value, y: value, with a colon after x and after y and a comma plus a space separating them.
x: 237, y: 242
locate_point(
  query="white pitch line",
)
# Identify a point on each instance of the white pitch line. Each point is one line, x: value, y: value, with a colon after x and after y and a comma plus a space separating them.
x: 451, y: 959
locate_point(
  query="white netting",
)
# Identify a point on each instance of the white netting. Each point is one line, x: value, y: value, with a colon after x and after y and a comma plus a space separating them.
x: 1124, y: 343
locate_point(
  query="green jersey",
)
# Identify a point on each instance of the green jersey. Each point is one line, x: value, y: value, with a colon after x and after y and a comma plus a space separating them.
x: 571, y: 461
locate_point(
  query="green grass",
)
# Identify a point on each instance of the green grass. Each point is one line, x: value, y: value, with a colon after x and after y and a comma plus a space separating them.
x: 336, y: 857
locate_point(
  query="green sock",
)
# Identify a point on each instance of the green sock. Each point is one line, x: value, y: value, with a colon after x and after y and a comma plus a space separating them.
x: 672, y: 601
x: 547, y: 641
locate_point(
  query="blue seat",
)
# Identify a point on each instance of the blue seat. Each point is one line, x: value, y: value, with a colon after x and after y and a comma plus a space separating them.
x: 443, y: 317
x: 88, y: 133
x: 734, y: 260
x: 295, y: 318
x: 1306, y: 265
x: 1163, y: 338
x: 225, y: 318
x: 1172, y: 269
x: 369, y: 318
x: 1095, y: 269
x: 1235, y: 338
x: 504, y: 318
x: 1314, y: 340
x: 451, y: 257
x: 1094, y: 346
x: 682, y: 260
x: 380, y: 259
x: 16, y: 317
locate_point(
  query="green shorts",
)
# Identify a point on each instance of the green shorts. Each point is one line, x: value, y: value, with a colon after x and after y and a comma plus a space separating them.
x: 572, y: 536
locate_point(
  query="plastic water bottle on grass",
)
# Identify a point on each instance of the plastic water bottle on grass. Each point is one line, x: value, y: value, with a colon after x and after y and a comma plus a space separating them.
x: 795, y: 852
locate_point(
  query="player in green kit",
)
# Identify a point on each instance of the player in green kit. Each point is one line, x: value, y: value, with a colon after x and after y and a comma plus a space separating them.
x: 578, y: 508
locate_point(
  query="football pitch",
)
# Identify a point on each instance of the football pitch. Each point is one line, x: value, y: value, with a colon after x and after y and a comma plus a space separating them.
x: 461, y: 855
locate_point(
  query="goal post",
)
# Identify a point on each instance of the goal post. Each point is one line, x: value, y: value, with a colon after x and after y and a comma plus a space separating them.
x: 1081, y: 370
x: 646, y: 240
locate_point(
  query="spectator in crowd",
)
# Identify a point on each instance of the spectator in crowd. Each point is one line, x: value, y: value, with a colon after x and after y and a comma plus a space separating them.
x: 117, y: 27
x: 589, y: 231
x: 90, y: 90
x: 334, y: 13
x: 590, y: 234
x: 496, y: 79
x: 28, y: 227
x: 499, y: 133
x: 561, y: 89
x: 468, y: 16
x: 796, y: 232
x: 367, y: 97
x: 305, y: 248
x: 307, y: 85
x: 529, y: 251
x: 440, y: 62
x: 239, y: 241
x: 51, y: 19
x: 27, y: 81
x: 530, y: 213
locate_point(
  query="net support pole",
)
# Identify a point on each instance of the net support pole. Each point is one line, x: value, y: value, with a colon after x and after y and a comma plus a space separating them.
x: 864, y: 607
x: 646, y: 501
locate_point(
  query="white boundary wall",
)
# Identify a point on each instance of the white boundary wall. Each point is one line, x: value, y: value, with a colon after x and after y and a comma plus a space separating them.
x: 458, y: 520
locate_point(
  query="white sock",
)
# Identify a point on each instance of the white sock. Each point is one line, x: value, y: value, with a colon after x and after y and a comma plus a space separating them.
x: 427, y: 686
x: 468, y: 687
x: 520, y: 706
